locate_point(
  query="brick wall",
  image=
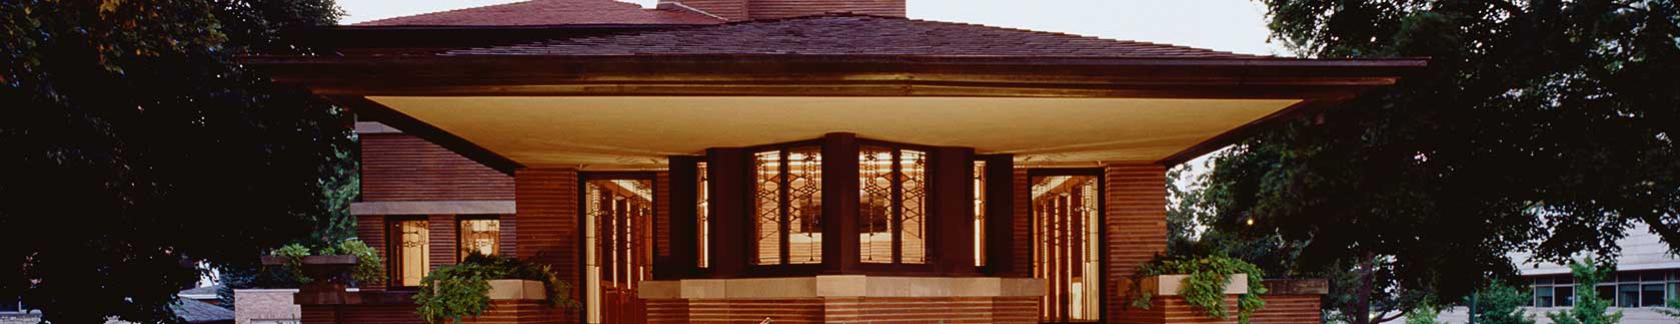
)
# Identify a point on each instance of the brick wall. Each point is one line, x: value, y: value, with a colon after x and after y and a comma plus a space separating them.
x: 441, y: 240
x: 401, y: 167
x: 548, y: 223
x: 371, y: 230
x: 1136, y: 226
x: 847, y: 310
x: 1021, y: 233
x: 264, y: 304
x: 1289, y: 309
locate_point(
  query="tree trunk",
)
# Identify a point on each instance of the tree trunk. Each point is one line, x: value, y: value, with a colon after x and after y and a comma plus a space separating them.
x: 1367, y: 280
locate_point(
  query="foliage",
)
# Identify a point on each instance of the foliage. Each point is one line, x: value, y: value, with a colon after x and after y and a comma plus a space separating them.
x: 1672, y: 308
x: 1359, y: 288
x: 1501, y: 304
x: 1589, y: 308
x: 139, y: 148
x: 1366, y: 290
x: 1204, y: 287
x: 458, y: 291
x: 1423, y: 314
x: 1539, y: 126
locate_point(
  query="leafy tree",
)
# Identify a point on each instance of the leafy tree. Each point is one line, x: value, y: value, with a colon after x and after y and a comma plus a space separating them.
x: 1423, y: 314
x: 137, y: 147
x: 1543, y: 126
x: 1588, y: 308
x: 1501, y: 304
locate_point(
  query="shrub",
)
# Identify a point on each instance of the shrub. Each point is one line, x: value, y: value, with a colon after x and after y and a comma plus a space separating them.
x: 1204, y: 287
x: 454, y: 292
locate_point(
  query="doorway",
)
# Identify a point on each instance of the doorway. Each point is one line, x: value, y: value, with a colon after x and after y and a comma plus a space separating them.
x: 618, y: 245
x: 1067, y: 243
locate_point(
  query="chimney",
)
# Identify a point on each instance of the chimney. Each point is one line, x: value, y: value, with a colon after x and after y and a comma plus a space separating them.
x: 737, y: 10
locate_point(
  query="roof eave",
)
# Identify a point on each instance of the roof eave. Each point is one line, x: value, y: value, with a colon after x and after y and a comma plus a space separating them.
x: 837, y: 75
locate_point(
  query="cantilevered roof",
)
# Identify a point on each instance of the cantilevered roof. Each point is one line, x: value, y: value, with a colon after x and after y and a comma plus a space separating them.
x: 851, y: 34
x: 551, y: 13
x: 626, y: 99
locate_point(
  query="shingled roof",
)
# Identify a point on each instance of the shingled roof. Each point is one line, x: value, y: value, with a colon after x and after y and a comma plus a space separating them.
x: 551, y: 13
x: 850, y: 34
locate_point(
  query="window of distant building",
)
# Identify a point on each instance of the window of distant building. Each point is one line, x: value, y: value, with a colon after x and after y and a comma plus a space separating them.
x: 1625, y: 289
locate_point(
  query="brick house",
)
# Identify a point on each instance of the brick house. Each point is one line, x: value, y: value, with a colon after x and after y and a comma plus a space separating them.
x: 671, y: 160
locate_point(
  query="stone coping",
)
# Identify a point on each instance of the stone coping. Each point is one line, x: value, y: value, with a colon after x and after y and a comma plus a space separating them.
x: 840, y: 286
x: 516, y: 289
x: 475, y: 207
x: 1168, y: 285
x: 1297, y: 286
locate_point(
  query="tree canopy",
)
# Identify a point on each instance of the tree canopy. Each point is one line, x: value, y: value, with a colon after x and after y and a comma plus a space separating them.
x: 1539, y: 126
x: 137, y: 148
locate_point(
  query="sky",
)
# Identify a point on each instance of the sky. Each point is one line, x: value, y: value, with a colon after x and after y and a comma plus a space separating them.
x: 1226, y: 25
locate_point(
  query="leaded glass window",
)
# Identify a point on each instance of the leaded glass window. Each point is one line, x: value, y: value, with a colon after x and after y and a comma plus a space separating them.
x: 892, y: 205
x: 480, y: 236
x: 703, y: 198
x: 411, y: 250
x: 787, y: 199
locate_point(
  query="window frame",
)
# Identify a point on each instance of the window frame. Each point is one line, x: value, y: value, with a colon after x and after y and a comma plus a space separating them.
x: 461, y: 220
x: 785, y: 230
x: 393, y: 250
x: 895, y: 212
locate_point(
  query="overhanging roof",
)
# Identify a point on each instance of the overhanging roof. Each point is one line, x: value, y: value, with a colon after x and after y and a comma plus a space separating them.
x: 528, y: 104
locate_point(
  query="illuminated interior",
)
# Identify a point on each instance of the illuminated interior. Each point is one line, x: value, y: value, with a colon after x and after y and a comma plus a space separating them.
x: 617, y: 238
x: 1067, y: 245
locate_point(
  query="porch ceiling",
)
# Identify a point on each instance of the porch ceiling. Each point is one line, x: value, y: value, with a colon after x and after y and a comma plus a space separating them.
x: 624, y: 132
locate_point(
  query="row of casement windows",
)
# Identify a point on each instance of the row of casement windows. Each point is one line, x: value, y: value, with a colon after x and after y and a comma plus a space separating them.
x: 1626, y: 289
x: 892, y: 200
x: 409, y: 245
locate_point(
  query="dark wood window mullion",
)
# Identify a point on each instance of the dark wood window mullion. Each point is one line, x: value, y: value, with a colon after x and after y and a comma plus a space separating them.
x: 784, y: 201
x: 896, y: 224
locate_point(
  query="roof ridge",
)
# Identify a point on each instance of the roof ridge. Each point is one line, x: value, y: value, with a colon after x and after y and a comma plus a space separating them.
x: 607, y: 5
x: 457, y: 10
x: 940, y: 22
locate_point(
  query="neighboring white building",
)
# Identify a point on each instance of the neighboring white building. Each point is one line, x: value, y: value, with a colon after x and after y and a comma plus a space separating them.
x: 1646, y: 276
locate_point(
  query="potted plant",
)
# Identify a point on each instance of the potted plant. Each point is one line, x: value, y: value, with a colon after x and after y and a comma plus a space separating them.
x: 466, y: 289
x: 1203, y: 282
x: 327, y: 264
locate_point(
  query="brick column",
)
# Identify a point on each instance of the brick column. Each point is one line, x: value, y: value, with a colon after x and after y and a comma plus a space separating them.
x: 1135, y: 223
x: 547, y: 226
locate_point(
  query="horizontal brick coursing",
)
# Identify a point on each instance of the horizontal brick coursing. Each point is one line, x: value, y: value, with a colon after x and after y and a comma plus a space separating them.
x: 1135, y: 226
x: 1021, y: 229
x: 401, y: 167
x: 547, y: 222
x: 1289, y: 309
x: 500, y: 312
x: 847, y: 310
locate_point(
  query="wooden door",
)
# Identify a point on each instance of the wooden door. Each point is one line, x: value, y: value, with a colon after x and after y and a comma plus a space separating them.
x: 1066, y: 247
x: 618, y: 214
